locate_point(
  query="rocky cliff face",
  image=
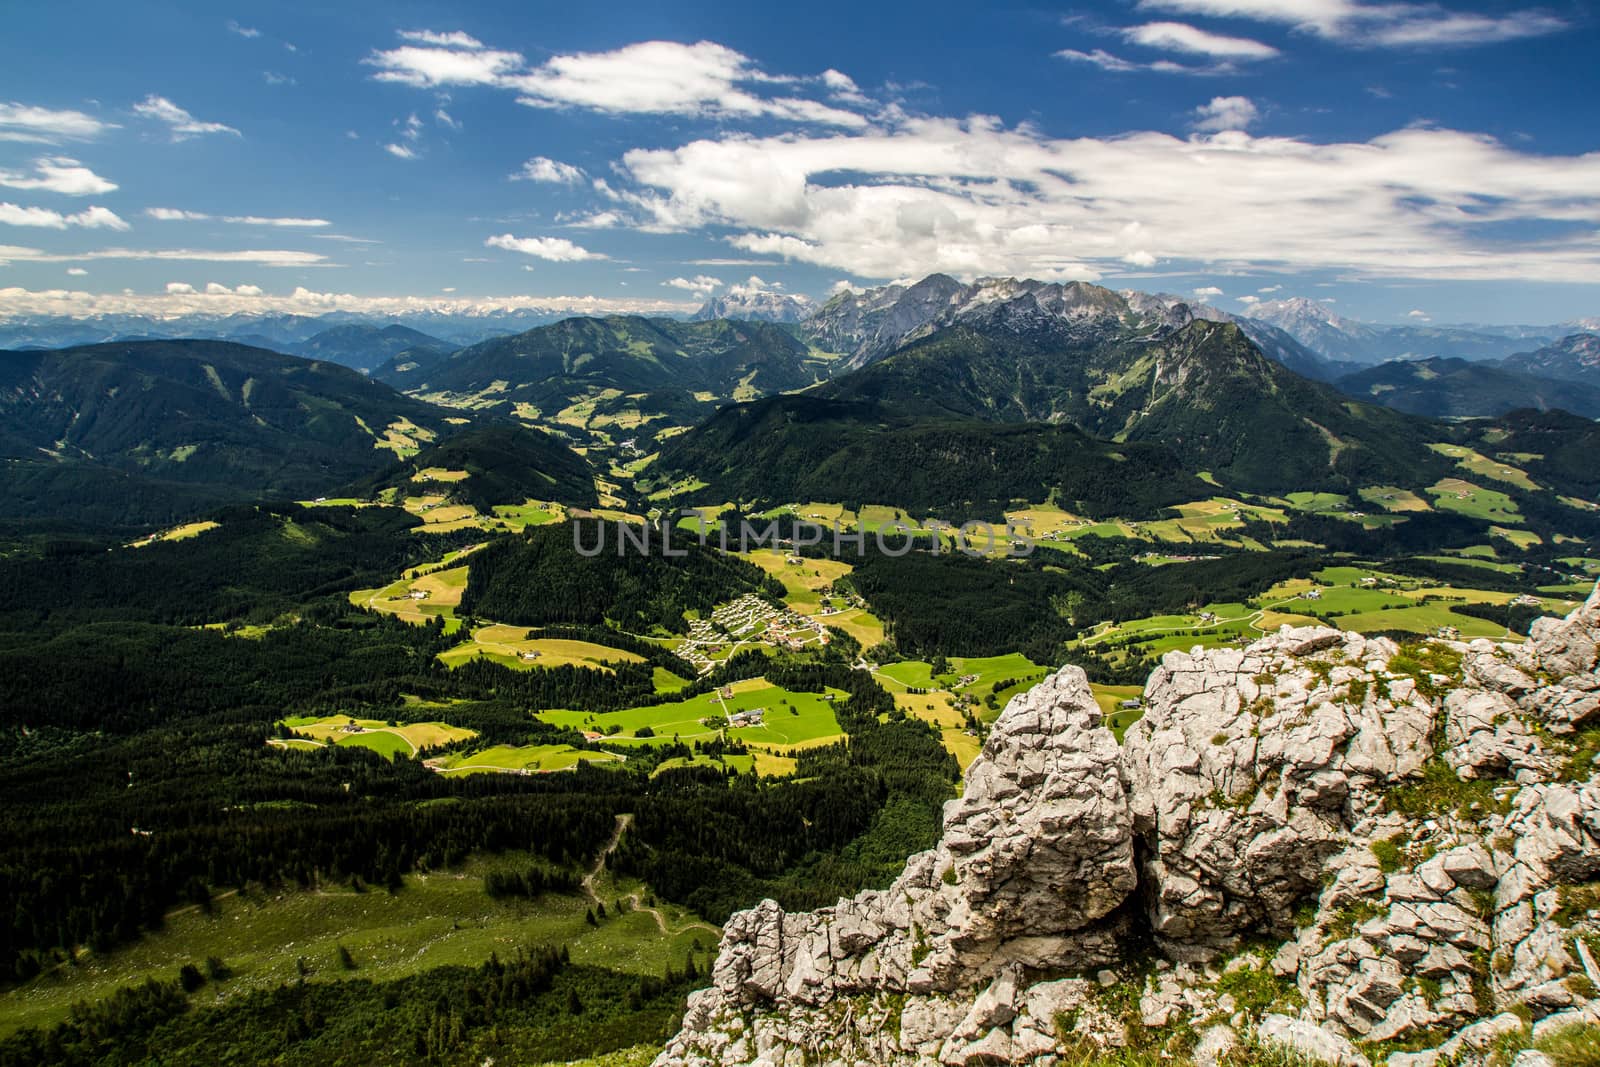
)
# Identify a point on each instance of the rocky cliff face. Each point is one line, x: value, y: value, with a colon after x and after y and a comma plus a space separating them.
x: 1320, y: 841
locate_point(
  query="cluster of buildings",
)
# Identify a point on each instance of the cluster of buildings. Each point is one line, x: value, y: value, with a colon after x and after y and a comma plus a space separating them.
x: 748, y: 620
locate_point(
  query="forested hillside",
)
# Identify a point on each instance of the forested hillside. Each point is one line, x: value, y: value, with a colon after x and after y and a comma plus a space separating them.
x: 541, y: 578
x: 142, y: 432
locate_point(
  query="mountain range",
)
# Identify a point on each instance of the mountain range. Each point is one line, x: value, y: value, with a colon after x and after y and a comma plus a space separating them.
x: 747, y: 303
x: 1039, y: 356
x: 936, y: 394
x: 1458, y: 388
x: 551, y: 367
x: 148, y: 431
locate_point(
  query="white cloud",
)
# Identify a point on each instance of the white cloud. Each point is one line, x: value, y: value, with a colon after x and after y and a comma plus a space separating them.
x: 1269, y: 289
x: 973, y: 198
x: 1208, y: 292
x: 292, y: 223
x: 843, y: 88
x: 1116, y: 64
x: 555, y: 249
x: 266, y: 257
x: 169, y: 214
x: 17, y: 302
x: 181, y: 124
x: 665, y: 77
x: 1139, y: 258
x: 76, y: 272
x: 242, y: 31
x: 700, y: 284
x: 444, y: 118
x: 1249, y: 300
x: 272, y: 77
x: 1383, y: 24
x: 454, y: 39
x: 435, y: 63
x: 93, y: 218
x: 1225, y: 113
x: 1418, y: 313
x: 410, y: 136
x: 22, y: 122
x: 649, y: 77
x: 1179, y: 37
x: 540, y: 169
x: 176, y: 288
x: 57, y: 174
x: 600, y: 220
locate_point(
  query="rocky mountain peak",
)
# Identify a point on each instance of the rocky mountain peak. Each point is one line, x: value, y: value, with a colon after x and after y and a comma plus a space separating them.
x: 749, y: 303
x: 1372, y: 839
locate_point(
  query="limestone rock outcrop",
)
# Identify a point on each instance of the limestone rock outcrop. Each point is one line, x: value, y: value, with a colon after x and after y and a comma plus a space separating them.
x: 1319, y: 840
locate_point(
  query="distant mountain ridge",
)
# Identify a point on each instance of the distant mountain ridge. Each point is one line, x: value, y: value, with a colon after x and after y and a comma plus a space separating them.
x: 1120, y: 368
x: 365, y: 348
x: 1574, y: 358
x: 1334, y: 337
x: 551, y: 367
x: 1459, y: 388
x: 147, y: 431
x: 756, y: 305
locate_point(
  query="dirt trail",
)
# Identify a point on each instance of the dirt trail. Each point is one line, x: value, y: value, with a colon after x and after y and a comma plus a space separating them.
x: 635, y: 900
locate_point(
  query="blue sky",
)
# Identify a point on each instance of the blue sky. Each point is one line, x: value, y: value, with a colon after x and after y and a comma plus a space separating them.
x: 1408, y: 161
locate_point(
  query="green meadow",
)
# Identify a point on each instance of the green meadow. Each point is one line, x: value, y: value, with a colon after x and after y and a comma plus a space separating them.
x: 437, y: 919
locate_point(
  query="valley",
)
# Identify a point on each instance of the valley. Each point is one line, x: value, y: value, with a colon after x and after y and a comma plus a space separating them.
x: 441, y: 738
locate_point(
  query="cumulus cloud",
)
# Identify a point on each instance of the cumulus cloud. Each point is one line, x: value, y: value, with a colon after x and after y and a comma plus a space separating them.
x: 169, y: 214
x: 555, y: 249
x: 1383, y: 24
x: 179, y: 122
x: 1180, y: 37
x: 649, y: 77
x: 1208, y: 292
x: 700, y: 284
x: 76, y: 272
x: 93, y: 218
x: 972, y: 198
x: 176, y: 288
x: 16, y: 302
x: 843, y: 88
x: 1418, y: 313
x: 57, y: 174
x: 400, y: 151
x: 42, y: 125
x: 540, y: 169
x: 1225, y: 113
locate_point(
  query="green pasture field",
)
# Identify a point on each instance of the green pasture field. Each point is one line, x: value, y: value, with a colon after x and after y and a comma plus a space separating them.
x: 439, y: 919
x: 1474, y: 501
x: 402, y: 739
x: 813, y: 721
x: 510, y: 759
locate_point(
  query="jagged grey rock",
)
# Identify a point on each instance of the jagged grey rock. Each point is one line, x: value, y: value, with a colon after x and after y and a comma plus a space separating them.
x: 1253, y: 799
